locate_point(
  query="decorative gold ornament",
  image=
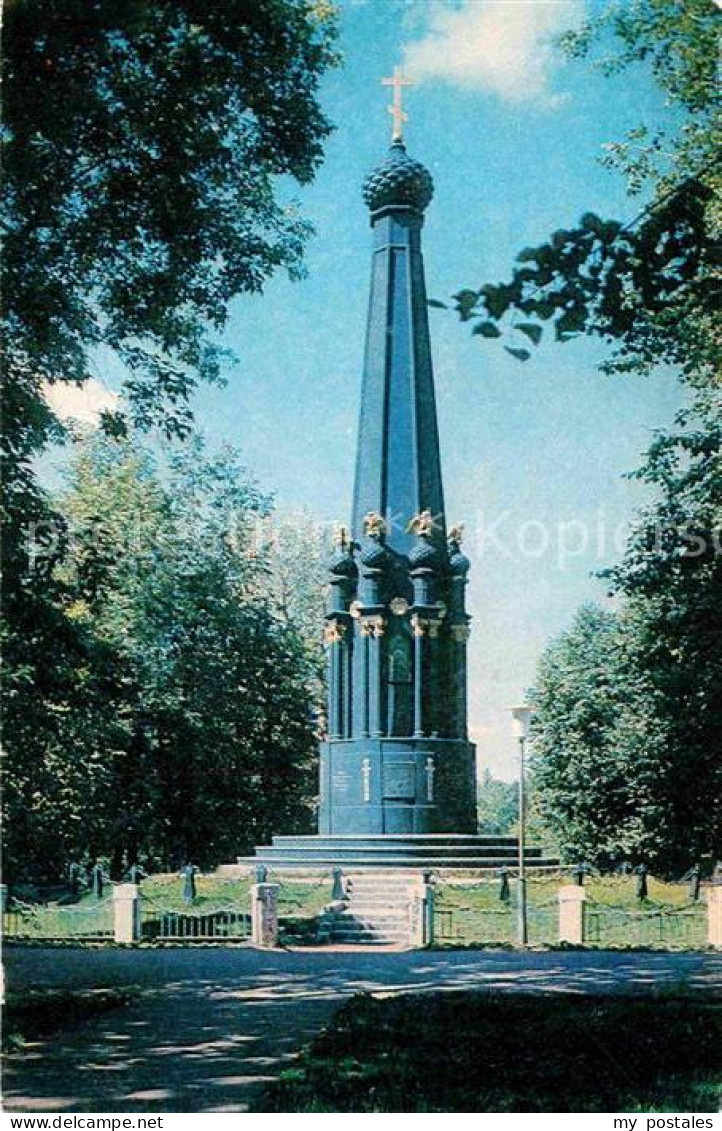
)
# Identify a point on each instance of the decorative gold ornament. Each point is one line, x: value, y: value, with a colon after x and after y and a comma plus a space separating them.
x: 374, y: 626
x: 399, y: 606
x: 456, y: 534
x: 355, y: 609
x: 341, y: 538
x: 334, y: 632
x: 422, y: 524
x: 425, y: 626
x: 375, y: 526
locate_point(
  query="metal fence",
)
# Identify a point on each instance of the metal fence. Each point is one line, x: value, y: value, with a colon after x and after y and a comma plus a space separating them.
x: 673, y: 927
x: 473, y: 914
x: 176, y: 925
x: 57, y: 922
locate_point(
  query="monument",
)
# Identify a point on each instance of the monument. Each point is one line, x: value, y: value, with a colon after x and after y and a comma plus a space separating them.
x: 397, y: 770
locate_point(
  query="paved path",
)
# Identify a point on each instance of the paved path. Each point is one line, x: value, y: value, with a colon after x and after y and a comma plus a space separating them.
x: 211, y: 1026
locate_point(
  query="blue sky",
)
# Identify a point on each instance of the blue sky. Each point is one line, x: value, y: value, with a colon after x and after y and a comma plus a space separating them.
x: 511, y: 133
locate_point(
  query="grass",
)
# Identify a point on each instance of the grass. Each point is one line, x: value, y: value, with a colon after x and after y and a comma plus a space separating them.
x: 491, y: 1052
x: 471, y: 913
x: 31, y: 1014
x: 299, y: 904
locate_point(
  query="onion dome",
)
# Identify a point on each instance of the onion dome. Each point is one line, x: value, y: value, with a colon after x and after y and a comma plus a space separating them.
x: 424, y: 555
x: 459, y: 564
x: 374, y: 554
x: 399, y: 182
x: 341, y: 563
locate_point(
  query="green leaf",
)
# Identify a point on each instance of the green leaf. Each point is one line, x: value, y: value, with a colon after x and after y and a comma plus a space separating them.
x: 436, y: 303
x: 519, y: 354
x: 532, y: 331
x: 465, y: 300
x: 487, y: 330
x: 592, y: 223
x: 496, y: 299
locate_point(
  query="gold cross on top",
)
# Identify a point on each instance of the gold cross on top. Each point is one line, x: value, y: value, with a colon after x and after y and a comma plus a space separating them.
x: 398, y: 82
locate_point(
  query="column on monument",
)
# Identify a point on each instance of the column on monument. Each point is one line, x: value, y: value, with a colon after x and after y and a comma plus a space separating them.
x: 425, y: 562
x: 342, y: 587
x: 347, y: 724
x: 370, y: 612
x: 419, y: 628
x: 339, y: 681
x: 364, y: 684
x: 459, y: 628
x: 372, y: 630
x: 459, y: 637
x: 331, y: 697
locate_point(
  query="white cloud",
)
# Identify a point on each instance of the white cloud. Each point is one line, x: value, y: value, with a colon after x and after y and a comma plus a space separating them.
x: 83, y: 403
x: 504, y: 47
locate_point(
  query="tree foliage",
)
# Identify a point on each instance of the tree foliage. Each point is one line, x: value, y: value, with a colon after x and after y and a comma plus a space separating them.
x: 651, y: 286
x: 630, y: 703
x: 144, y: 146
x: 150, y: 148
x: 170, y: 714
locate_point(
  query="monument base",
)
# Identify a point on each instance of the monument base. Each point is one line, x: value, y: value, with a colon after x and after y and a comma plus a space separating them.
x: 442, y: 850
x: 397, y: 786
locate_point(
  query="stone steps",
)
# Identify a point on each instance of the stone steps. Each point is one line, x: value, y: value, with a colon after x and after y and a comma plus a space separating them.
x: 466, y: 863
x: 397, y: 852
x: 376, y: 911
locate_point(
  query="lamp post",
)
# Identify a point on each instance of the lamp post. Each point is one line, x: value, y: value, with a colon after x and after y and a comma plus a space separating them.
x: 520, y: 723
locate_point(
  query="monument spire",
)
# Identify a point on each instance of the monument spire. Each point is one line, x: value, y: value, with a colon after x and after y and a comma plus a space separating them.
x: 398, y: 467
x: 397, y: 758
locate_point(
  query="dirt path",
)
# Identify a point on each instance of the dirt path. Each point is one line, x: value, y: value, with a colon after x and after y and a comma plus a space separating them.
x: 211, y: 1026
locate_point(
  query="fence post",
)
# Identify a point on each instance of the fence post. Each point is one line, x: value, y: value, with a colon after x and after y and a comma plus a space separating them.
x: 714, y: 915
x: 421, y: 914
x: 126, y: 913
x: 571, y: 913
x: 264, y: 914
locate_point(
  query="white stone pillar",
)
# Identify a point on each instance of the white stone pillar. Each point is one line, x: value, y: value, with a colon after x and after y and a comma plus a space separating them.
x: 126, y: 913
x: 264, y: 914
x: 714, y: 915
x: 571, y: 913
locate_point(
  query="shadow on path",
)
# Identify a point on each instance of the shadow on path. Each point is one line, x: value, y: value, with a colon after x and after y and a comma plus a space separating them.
x: 212, y: 1026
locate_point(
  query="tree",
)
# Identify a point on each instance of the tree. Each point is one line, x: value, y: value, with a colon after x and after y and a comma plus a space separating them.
x: 144, y: 146
x: 193, y: 731
x: 621, y: 773
x: 497, y: 805
x: 145, y: 143
x: 650, y: 286
x: 595, y: 759
x: 630, y: 714
x: 299, y: 550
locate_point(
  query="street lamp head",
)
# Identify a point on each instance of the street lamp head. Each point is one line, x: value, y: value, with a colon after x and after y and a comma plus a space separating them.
x: 521, y: 720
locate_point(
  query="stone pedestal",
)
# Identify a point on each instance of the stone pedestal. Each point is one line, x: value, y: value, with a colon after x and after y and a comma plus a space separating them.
x: 571, y: 913
x: 264, y: 914
x: 126, y: 910
x: 714, y: 916
x: 421, y: 916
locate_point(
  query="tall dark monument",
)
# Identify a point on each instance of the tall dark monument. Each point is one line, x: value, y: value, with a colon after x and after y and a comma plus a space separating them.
x: 397, y: 771
x: 397, y: 758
